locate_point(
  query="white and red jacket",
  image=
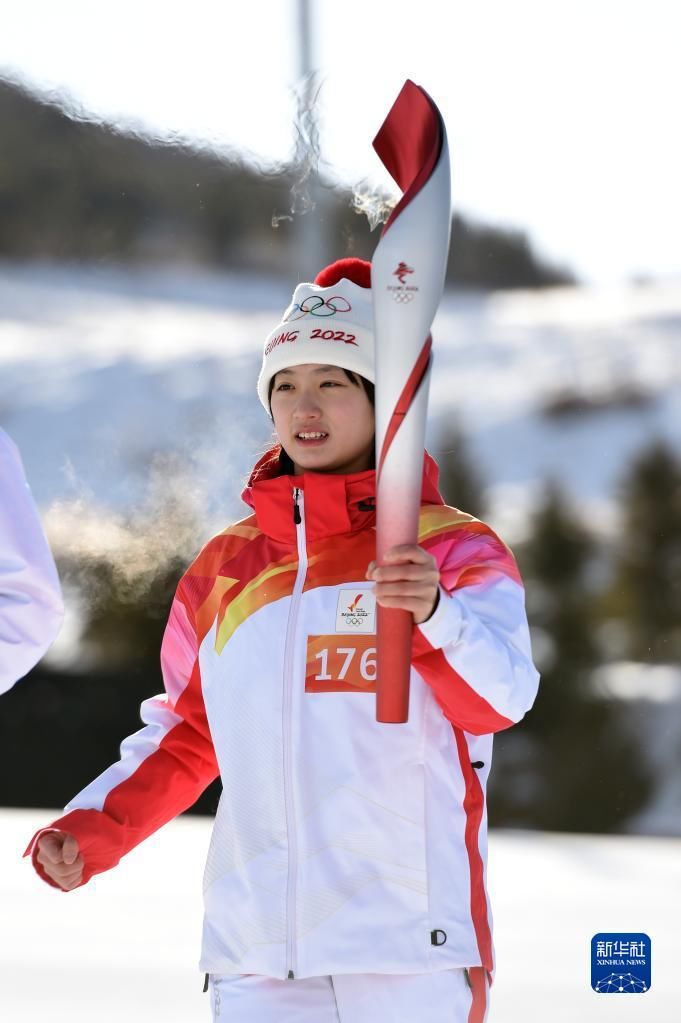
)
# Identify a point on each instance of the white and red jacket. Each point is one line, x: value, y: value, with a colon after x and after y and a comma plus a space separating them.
x: 340, y: 845
x: 31, y: 607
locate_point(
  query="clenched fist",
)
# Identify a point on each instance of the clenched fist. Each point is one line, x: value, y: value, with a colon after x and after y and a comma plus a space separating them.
x: 60, y: 858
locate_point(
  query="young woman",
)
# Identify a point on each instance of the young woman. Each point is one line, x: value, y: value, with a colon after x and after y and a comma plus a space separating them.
x: 346, y: 875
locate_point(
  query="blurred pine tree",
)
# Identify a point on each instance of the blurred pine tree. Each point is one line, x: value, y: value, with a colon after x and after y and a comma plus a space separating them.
x: 461, y: 484
x: 571, y: 757
x: 647, y: 570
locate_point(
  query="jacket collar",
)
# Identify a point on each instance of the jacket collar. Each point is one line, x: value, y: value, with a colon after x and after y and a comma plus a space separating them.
x: 334, y: 504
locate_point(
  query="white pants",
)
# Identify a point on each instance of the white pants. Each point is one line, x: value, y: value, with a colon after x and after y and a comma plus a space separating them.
x: 446, y: 996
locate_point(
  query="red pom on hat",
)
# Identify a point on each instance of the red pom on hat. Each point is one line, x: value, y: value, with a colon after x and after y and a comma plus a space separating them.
x: 356, y: 270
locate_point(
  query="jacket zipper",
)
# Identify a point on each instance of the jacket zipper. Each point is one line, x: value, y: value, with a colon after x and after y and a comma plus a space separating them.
x: 299, y: 520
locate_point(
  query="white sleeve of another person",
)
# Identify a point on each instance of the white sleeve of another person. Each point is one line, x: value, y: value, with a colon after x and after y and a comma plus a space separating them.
x: 31, y: 607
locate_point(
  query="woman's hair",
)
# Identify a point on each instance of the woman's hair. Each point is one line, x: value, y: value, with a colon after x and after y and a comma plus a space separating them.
x: 285, y: 461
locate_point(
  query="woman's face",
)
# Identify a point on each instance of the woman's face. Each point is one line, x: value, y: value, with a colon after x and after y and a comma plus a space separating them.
x: 313, y: 399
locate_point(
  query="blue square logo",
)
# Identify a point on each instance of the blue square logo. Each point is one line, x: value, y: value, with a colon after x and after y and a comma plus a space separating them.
x: 620, y: 963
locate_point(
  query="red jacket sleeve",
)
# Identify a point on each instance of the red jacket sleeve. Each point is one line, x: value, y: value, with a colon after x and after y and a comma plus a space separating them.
x: 163, y: 768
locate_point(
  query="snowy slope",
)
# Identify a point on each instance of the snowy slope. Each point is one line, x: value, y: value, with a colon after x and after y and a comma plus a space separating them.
x: 127, y: 945
x: 102, y: 369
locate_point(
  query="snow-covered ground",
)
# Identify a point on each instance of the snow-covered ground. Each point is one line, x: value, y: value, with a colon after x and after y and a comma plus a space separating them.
x: 126, y: 946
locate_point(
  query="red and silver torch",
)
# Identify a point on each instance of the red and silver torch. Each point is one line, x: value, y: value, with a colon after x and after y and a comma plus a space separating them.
x: 407, y: 279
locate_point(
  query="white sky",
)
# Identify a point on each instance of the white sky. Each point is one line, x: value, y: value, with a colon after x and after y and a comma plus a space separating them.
x: 562, y: 117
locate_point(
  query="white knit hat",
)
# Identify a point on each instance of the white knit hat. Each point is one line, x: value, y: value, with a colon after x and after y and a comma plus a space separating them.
x: 330, y: 322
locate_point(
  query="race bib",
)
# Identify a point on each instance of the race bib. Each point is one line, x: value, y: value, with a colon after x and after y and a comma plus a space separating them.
x: 340, y: 664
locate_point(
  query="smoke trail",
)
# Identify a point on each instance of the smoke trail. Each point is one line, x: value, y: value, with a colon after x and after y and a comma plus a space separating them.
x: 96, y: 547
x: 119, y: 568
x: 375, y: 203
x: 306, y: 156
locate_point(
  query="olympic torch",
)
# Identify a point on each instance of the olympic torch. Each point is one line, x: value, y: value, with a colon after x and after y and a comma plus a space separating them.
x: 407, y: 279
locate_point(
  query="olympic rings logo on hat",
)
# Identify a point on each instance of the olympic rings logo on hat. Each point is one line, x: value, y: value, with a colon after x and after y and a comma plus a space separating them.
x: 315, y: 305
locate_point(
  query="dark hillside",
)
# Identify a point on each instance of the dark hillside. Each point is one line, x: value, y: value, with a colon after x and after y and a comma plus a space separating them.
x: 74, y: 189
